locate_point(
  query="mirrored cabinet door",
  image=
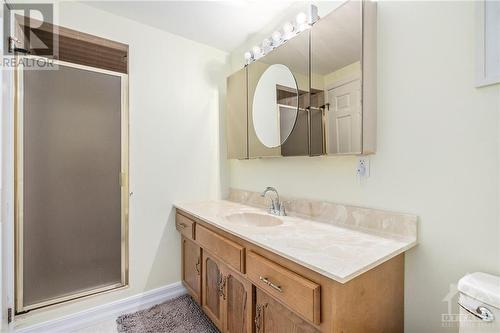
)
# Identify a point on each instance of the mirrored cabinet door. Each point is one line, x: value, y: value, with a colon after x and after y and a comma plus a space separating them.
x: 236, y: 133
x: 342, y: 100
x: 313, y: 95
x: 278, y: 95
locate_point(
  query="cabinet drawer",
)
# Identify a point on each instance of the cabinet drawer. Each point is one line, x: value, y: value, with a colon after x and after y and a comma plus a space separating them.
x: 184, y: 225
x: 228, y: 251
x: 298, y: 293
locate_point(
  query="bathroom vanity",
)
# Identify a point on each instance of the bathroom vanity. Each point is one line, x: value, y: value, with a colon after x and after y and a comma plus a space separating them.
x: 323, y: 268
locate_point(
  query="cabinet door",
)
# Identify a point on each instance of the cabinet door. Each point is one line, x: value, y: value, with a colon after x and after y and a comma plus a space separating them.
x: 272, y: 317
x: 191, y: 268
x: 294, y: 54
x: 237, y: 121
x: 255, y: 147
x: 212, y: 287
x: 237, y: 298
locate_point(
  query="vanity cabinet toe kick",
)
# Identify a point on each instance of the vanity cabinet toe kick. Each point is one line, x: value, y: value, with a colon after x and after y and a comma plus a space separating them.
x: 244, y: 288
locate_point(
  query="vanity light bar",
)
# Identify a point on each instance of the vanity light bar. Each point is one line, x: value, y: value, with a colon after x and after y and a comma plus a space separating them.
x: 303, y: 22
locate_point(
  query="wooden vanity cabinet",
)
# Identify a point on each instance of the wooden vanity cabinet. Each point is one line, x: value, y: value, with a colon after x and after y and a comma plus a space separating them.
x: 227, y: 296
x: 243, y: 288
x: 191, y: 268
x: 272, y: 317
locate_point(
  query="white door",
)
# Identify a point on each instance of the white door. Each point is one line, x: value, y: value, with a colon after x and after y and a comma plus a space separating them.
x: 344, y: 119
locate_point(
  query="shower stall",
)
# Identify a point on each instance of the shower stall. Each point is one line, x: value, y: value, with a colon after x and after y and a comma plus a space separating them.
x: 71, y: 182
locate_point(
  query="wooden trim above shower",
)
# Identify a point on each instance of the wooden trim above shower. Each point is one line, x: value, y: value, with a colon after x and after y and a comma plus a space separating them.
x: 74, y: 46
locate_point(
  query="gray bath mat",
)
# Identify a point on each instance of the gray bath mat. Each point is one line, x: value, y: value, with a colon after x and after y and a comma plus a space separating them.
x: 179, y: 315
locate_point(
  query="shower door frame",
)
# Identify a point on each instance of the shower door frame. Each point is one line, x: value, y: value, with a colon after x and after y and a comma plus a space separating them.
x: 18, y: 187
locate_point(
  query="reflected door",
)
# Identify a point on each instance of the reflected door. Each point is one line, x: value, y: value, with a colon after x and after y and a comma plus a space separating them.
x: 344, y: 119
x: 71, y: 184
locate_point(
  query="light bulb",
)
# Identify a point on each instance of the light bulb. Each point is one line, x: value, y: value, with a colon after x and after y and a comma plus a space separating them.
x: 276, y: 36
x: 266, y: 43
x: 287, y: 28
x: 256, y: 52
x: 248, y: 56
x: 301, y: 18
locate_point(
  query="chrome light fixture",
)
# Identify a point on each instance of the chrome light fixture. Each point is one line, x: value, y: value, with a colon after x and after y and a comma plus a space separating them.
x: 289, y: 30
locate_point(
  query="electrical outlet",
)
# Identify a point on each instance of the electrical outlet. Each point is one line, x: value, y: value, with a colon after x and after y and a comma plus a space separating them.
x: 363, y: 168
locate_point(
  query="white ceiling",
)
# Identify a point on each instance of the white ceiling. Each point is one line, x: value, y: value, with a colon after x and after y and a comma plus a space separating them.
x: 221, y: 24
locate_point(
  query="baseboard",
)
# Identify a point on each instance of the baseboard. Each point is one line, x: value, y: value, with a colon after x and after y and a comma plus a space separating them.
x: 114, y: 309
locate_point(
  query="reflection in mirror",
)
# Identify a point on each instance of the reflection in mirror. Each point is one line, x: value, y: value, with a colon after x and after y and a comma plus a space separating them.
x: 275, y: 105
x: 289, y: 113
x: 336, y: 112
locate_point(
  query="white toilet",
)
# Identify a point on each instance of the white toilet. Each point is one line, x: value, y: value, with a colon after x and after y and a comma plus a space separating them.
x: 479, y: 302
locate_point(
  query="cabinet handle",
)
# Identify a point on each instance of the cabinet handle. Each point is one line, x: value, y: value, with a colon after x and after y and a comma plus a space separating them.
x: 181, y: 225
x: 270, y: 284
x: 259, y: 314
x: 224, y: 287
x: 221, y: 284
x: 218, y: 284
x: 197, y: 266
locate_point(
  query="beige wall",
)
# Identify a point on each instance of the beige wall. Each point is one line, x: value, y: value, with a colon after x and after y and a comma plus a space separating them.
x: 176, y: 92
x: 438, y: 149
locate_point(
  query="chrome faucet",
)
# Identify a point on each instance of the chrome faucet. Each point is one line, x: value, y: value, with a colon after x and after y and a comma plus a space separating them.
x: 276, y: 207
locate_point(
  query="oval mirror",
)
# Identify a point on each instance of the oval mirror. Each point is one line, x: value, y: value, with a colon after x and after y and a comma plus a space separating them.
x: 275, y: 105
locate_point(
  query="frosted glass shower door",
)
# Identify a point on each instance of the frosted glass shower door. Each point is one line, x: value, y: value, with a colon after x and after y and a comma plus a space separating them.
x: 71, y: 184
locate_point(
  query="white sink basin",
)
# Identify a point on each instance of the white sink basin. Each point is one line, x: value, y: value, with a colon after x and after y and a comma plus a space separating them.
x: 254, y: 219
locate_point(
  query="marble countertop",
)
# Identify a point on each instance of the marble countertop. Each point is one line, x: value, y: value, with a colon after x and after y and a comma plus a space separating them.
x: 337, y: 252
